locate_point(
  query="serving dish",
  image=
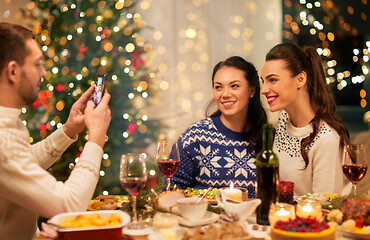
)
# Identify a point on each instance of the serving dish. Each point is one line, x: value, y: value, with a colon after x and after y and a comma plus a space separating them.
x: 113, y: 232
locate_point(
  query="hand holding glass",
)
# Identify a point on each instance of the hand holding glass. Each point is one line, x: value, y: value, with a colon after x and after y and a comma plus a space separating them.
x: 133, y: 176
x: 355, y: 164
x: 168, y: 159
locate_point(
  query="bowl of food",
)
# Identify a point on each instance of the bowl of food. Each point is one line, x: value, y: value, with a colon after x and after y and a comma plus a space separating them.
x: 90, y: 225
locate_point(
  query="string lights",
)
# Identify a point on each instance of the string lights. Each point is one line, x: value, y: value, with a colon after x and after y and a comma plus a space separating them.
x: 325, y: 21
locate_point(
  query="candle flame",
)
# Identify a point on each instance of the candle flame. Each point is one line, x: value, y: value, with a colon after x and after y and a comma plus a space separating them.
x: 307, y: 208
x: 231, y: 185
x: 282, y: 212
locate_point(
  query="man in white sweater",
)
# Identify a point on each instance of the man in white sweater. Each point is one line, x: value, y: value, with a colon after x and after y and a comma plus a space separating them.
x: 27, y: 190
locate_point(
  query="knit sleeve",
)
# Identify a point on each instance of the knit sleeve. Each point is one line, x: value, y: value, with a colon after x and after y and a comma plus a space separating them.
x: 185, y: 175
x: 47, y: 151
x: 327, y: 174
x: 25, y: 183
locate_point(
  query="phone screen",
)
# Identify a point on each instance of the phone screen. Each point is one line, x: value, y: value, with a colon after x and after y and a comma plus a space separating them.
x: 99, y: 88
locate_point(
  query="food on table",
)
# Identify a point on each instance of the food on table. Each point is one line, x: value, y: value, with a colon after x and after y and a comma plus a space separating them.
x: 321, y: 197
x: 94, y: 220
x: 168, y: 199
x: 191, y: 192
x: 356, y: 209
x: 302, y: 228
x: 227, y: 230
x: 335, y: 215
x: 355, y: 226
x: 107, y: 204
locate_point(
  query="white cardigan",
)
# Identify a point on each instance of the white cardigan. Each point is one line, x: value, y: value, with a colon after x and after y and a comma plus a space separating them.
x: 324, y: 172
x: 27, y: 189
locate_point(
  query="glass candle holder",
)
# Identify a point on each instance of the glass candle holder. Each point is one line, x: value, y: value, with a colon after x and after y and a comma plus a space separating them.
x: 165, y: 220
x: 236, y: 193
x: 166, y: 225
x: 309, y: 208
x: 280, y: 211
x: 286, y: 192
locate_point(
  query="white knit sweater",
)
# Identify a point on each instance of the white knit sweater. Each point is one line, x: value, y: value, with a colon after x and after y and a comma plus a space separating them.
x: 324, y: 172
x: 27, y: 189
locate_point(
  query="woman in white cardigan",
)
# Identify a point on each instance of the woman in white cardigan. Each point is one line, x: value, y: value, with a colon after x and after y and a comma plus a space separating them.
x: 310, y: 137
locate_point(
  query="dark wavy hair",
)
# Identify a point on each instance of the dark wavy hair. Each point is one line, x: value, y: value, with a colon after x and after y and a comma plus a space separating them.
x: 13, y: 43
x: 308, y: 60
x: 256, y: 113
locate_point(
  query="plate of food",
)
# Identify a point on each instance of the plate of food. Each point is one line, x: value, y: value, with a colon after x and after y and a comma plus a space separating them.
x: 90, y: 225
x: 211, y: 196
x: 353, y: 235
x: 354, y: 229
x: 226, y: 230
x: 107, y: 202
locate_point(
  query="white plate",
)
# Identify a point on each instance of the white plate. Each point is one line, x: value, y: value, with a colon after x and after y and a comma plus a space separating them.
x: 354, y: 235
x: 137, y: 232
x: 208, y: 218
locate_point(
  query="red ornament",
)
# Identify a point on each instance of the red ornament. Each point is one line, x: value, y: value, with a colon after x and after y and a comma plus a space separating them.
x: 136, y: 59
x: 82, y: 49
x: 60, y: 88
x: 143, y: 150
x: 43, y: 127
x: 132, y: 128
x: 152, y: 181
x: 42, y: 99
x: 105, y: 33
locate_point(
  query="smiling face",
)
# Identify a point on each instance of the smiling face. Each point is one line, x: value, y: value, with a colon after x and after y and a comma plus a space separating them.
x: 31, y: 73
x: 232, y: 92
x: 279, y: 86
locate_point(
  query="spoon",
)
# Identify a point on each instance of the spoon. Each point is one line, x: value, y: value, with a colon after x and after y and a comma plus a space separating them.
x: 208, y: 190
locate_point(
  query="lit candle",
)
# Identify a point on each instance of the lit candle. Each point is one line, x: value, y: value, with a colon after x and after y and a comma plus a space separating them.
x: 281, y: 211
x: 234, y: 193
x: 309, y: 207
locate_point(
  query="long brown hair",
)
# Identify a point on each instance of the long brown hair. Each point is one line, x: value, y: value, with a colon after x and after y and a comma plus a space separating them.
x: 308, y: 60
x: 256, y: 113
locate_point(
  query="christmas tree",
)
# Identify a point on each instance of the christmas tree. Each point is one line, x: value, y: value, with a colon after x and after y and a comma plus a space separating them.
x: 81, y: 39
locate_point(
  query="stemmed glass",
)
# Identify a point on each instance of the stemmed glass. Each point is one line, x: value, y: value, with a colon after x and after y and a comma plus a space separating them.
x: 168, y: 159
x: 133, y: 176
x: 355, y: 164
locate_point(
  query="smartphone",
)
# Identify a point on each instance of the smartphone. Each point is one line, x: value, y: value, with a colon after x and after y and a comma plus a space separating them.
x: 99, y: 88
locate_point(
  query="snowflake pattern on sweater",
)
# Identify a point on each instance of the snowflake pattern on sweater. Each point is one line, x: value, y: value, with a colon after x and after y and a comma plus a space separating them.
x: 213, y: 155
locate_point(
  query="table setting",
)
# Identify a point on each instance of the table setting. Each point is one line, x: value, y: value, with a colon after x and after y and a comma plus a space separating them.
x: 172, y: 213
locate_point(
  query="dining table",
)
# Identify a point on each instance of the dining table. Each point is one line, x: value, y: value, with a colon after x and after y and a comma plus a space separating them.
x: 155, y: 235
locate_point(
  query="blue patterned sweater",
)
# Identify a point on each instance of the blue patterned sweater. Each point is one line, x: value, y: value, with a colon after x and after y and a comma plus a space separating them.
x: 213, y: 155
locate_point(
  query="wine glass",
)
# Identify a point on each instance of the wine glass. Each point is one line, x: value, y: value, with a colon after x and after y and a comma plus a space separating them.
x: 133, y: 176
x: 355, y: 164
x: 168, y: 159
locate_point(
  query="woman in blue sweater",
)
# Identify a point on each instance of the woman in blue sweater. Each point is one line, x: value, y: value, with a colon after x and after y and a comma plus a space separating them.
x: 222, y: 147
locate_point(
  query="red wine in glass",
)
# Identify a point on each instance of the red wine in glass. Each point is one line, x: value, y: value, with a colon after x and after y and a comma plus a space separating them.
x: 354, y: 173
x: 168, y: 159
x: 133, y: 185
x: 355, y: 164
x: 133, y: 176
x: 168, y: 166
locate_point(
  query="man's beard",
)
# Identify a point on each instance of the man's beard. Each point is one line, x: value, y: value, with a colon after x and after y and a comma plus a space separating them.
x: 28, y: 94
